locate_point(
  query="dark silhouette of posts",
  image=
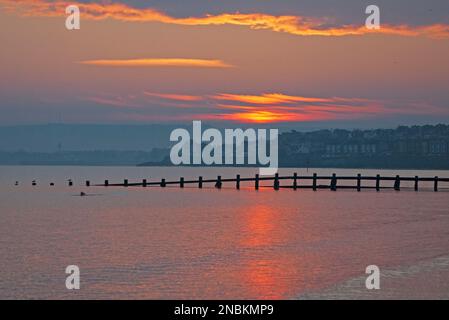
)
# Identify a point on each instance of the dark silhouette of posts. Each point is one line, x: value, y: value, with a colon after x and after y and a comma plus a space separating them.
x: 295, y: 181
x: 256, y: 182
x: 218, y: 184
x: 397, y: 183
x: 334, y: 182
x: 276, y: 182
x: 333, y: 185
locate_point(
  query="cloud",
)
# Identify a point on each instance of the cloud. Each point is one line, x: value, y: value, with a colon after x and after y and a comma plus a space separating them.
x: 275, y: 107
x: 177, y: 97
x: 291, y: 24
x: 266, y: 107
x: 118, y: 102
x: 288, y: 108
x: 270, y: 98
x: 267, y: 116
x: 158, y: 62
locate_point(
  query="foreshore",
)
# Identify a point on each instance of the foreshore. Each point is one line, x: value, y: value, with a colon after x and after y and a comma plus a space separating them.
x: 427, y: 280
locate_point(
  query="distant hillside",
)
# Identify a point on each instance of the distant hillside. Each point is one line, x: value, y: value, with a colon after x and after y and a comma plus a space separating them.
x: 416, y: 147
x: 82, y: 158
x: 57, y: 137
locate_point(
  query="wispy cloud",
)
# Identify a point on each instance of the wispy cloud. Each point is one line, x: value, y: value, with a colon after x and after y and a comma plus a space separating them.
x: 266, y: 107
x: 171, y: 96
x: 158, y: 62
x: 262, y: 108
x: 118, y: 102
x: 267, y: 98
x: 295, y: 25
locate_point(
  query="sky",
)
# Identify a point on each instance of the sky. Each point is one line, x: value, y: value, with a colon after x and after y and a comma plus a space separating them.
x: 252, y: 62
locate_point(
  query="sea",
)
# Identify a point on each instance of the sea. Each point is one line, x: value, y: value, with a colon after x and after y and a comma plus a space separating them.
x: 191, y: 243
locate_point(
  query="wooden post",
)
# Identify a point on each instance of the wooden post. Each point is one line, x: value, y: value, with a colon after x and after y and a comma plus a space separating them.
x: 295, y: 181
x: 106, y: 183
x: 87, y: 183
x: 334, y: 182
x: 163, y: 184
x: 237, y: 184
x: 397, y: 183
x: 359, y: 182
x: 378, y: 182
x: 125, y: 182
x: 276, y: 181
x: 314, y: 182
x: 256, y: 182
x: 435, y: 184
x: 200, y: 182
x: 144, y: 183
x: 181, y: 182
x: 416, y: 183
x: 218, y: 184
x: 70, y: 183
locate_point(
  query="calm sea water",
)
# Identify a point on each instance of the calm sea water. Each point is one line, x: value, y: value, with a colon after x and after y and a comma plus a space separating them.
x: 172, y: 243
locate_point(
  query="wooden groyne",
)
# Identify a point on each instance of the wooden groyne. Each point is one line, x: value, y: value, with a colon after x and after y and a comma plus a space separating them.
x: 277, y: 182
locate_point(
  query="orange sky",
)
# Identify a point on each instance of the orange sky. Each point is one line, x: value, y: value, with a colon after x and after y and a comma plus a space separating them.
x: 147, y: 65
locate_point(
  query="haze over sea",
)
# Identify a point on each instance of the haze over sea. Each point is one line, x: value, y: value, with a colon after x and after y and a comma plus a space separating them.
x: 172, y: 243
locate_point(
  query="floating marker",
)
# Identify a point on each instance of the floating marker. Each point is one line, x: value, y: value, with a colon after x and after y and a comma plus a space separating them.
x: 218, y: 184
x: 334, y: 182
x: 276, y: 181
